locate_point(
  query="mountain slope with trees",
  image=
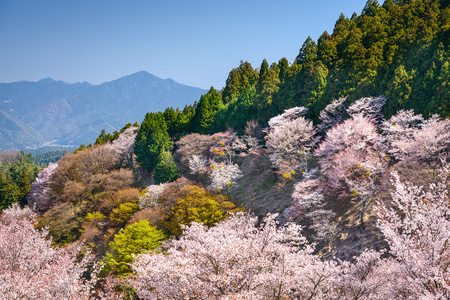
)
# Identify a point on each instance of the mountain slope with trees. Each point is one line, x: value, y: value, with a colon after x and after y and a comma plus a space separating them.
x: 327, y: 178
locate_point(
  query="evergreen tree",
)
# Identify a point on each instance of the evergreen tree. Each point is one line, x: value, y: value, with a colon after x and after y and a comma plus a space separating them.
x: 264, y: 69
x: 308, y: 52
x: 152, y: 139
x: 165, y: 170
x: 206, y: 110
x: 24, y: 187
x: 238, y: 80
x: 9, y: 193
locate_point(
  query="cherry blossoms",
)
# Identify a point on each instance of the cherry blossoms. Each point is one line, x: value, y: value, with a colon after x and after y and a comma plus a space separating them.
x: 235, y: 260
x: 290, y: 138
x: 40, y: 192
x: 31, y: 268
x: 417, y: 227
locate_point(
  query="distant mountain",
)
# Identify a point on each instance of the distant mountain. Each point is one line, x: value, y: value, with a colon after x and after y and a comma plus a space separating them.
x: 50, y: 112
x: 16, y: 134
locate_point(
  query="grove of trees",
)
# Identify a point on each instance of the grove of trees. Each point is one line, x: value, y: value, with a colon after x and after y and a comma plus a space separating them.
x: 355, y: 133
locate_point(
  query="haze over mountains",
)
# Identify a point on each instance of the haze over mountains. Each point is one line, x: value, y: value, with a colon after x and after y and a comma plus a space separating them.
x: 34, y: 114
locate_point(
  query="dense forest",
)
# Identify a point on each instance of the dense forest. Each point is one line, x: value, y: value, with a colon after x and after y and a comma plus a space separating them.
x: 324, y: 178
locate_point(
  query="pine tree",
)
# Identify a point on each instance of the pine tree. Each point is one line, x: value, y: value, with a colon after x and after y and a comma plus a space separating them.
x: 308, y: 52
x: 24, y: 187
x: 206, y: 110
x: 165, y: 170
x: 151, y: 140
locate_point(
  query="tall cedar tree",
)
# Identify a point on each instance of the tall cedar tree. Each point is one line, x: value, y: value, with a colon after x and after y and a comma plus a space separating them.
x: 206, y: 110
x: 151, y: 140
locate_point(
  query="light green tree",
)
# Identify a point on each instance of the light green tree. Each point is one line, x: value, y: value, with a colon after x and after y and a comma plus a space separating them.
x: 136, y: 238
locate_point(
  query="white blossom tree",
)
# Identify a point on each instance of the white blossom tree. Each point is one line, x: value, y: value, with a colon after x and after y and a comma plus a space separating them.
x: 151, y: 195
x: 291, y: 142
x: 401, y: 127
x: 288, y: 115
x: 430, y: 143
x: 124, y: 145
x: 235, y: 260
x: 198, y: 164
x: 417, y: 227
x: 371, y: 277
x: 333, y: 114
x: 310, y: 201
x: 224, y: 175
x: 30, y: 268
x: 369, y: 107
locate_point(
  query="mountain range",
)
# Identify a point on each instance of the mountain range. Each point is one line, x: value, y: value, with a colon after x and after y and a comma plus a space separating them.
x: 49, y: 112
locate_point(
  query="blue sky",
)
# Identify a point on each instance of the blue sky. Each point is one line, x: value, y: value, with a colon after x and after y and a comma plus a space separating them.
x: 193, y: 42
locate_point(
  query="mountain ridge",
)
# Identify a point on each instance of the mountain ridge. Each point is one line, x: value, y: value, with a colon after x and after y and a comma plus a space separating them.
x: 75, y: 113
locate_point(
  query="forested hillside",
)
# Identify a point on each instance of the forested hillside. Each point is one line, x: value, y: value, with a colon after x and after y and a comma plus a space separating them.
x: 324, y: 178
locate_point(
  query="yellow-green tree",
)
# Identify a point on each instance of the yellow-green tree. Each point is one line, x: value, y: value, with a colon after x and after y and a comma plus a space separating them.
x: 136, y: 238
x: 198, y: 205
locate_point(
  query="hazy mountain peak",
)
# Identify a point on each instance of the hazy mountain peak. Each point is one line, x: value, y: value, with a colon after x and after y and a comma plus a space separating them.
x: 74, y: 114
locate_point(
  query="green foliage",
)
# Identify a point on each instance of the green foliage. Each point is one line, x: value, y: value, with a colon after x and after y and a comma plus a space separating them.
x: 109, y: 137
x: 308, y: 52
x: 206, y: 111
x: 178, y: 122
x: 166, y: 170
x: 123, y: 213
x: 45, y: 158
x: 198, y: 205
x: 136, y: 238
x: 151, y: 140
x: 236, y: 113
x: 400, y: 49
x: 17, y: 172
x: 238, y: 80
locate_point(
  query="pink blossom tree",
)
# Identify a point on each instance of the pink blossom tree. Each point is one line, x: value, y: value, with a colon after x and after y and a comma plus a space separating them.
x: 401, y: 127
x: 371, y: 277
x: 417, y: 228
x: 124, y: 145
x: 40, y: 191
x: 151, y: 195
x: 429, y: 143
x: 310, y: 202
x: 352, y: 158
x: 30, y: 268
x: 235, y: 260
x: 220, y: 169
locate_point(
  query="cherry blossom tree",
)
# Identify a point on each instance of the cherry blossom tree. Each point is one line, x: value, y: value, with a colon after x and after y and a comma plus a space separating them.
x: 198, y: 164
x: 40, y: 191
x: 352, y: 158
x: 310, y: 201
x: 400, y: 127
x: 429, y: 144
x: 290, y: 141
x: 30, y: 268
x: 333, y: 114
x: 417, y: 228
x: 369, y: 107
x: 151, y: 195
x: 124, y: 145
x: 235, y: 260
x: 371, y: 277
x: 224, y: 175
x: 288, y: 115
